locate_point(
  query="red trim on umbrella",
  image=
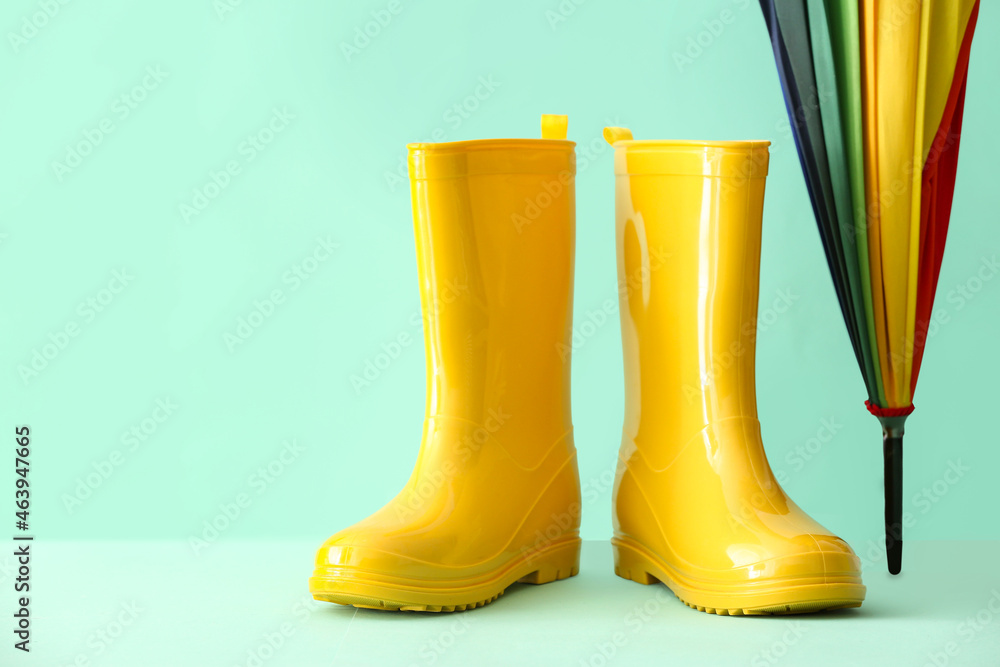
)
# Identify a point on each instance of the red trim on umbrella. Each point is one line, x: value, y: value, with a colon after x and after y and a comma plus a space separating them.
x: 888, y: 412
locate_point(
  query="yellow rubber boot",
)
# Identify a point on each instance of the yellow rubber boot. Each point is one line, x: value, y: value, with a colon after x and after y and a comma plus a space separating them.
x: 696, y: 505
x: 494, y: 497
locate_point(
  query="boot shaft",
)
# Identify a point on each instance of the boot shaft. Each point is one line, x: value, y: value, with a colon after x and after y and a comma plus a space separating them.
x: 494, y: 222
x: 688, y: 239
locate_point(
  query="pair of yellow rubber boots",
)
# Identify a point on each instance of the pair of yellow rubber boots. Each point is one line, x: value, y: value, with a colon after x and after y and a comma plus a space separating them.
x: 494, y: 497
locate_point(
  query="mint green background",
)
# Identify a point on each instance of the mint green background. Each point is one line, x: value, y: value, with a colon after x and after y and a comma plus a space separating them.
x: 324, y: 176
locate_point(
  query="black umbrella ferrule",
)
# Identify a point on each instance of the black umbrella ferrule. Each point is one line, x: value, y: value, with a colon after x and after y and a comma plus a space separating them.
x: 892, y: 455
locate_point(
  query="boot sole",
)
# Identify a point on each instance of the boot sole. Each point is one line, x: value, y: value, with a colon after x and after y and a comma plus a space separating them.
x: 787, y: 596
x: 554, y: 562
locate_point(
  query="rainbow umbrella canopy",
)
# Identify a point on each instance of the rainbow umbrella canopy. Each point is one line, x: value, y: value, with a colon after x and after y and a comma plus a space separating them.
x: 875, y: 92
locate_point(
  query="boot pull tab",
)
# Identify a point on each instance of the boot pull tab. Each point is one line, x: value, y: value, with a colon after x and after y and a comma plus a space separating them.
x: 613, y: 134
x: 554, y: 126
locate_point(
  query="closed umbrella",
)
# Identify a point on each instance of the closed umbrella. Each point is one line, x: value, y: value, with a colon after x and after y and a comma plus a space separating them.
x: 875, y: 91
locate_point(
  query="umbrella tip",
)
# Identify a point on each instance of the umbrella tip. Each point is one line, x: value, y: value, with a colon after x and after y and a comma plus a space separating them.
x: 892, y: 450
x: 894, y: 555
